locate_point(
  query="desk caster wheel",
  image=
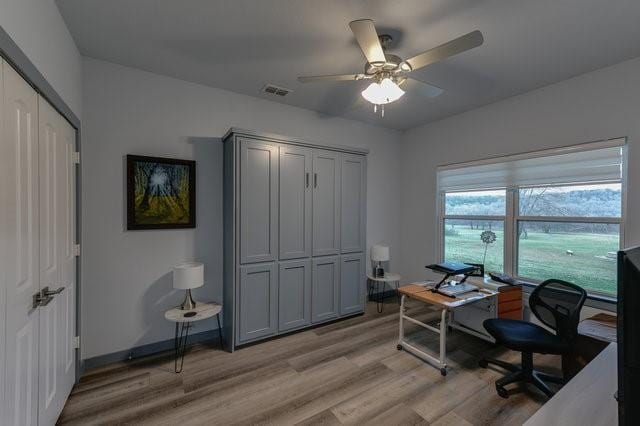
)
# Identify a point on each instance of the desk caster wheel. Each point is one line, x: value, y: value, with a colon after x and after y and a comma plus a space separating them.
x: 483, y: 363
x: 443, y: 371
x: 502, y: 392
x: 399, y: 347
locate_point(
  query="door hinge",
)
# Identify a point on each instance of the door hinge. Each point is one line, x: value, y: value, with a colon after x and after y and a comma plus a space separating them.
x: 76, y: 342
x: 76, y: 250
x: 75, y: 157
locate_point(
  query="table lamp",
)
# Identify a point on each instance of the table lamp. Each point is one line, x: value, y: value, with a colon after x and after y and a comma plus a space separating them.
x: 379, y: 254
x: 185, y: 277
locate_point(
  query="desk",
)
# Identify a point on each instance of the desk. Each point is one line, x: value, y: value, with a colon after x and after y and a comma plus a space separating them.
x: 422, y: 293
x: 588, y: 398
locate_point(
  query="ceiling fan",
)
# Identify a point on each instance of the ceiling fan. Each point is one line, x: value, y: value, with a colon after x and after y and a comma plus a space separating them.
x: 389, y: 71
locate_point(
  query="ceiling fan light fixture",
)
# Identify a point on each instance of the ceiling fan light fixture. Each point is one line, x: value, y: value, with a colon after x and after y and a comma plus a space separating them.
x: 382, y: 93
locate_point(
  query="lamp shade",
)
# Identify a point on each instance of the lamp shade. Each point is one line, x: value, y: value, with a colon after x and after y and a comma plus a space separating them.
x: 188, y: 275
x: 380, y: 253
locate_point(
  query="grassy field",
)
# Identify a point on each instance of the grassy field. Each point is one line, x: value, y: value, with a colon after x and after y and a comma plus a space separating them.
x: 543, y: 256
x: 163, y: 209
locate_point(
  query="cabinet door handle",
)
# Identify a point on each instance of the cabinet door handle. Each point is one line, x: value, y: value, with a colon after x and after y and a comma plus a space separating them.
x: 307, y: 179
x: 315, y: 180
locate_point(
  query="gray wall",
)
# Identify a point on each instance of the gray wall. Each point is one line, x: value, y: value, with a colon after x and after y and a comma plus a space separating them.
x: 37, y: 27
x: 598, y: 105
x: 127, y: 274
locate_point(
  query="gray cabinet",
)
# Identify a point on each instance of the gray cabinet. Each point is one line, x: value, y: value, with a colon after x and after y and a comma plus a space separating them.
x: 294, y: 234
x: 352, y: 283
x: 295, y: 202
x: 325, y: 283
x: 258, y: 201
x: 353, y: 205
x: 326, y: 203
x: 294, y: 294
x: 258, y: 301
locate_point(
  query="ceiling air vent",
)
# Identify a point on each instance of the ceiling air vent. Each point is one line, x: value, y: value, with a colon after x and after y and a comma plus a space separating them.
x: 271, y: 89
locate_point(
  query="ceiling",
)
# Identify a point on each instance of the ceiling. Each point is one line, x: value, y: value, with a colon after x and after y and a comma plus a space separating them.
x: 240, y: 45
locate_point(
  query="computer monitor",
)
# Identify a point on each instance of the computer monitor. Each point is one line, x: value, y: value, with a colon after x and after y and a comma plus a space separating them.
x: 629, y: 336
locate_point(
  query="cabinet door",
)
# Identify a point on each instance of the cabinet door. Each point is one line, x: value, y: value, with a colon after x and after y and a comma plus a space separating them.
x: 353, y: 205
x: 295, y: 202
x: 352, y: 284
x: 258, y: 293
x: 258, y: 201
x: 325, y: 287
x: 294, y: 294
x: 326, y: 203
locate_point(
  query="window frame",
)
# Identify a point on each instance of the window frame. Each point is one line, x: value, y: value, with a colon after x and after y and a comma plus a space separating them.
x: 512, y: 219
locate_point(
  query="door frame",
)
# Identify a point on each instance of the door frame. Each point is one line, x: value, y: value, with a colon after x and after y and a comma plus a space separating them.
x: 12, y: 53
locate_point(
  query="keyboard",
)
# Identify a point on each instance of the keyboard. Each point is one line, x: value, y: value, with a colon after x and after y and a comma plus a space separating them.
x: 455, y: 290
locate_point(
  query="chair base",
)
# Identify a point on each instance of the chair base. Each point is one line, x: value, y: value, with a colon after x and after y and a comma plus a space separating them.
x: 525, y: 373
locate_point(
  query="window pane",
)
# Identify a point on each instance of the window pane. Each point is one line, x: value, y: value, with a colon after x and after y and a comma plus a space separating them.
x: 476, y: 203
x: 463, y: 242
x: 577, y: 200
x: 584, y: 254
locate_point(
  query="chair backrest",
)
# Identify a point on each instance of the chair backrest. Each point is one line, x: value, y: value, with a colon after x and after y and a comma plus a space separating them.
x: 557, y: 304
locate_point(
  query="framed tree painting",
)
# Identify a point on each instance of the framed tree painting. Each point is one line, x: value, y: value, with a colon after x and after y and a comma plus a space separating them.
x: 161, y: 193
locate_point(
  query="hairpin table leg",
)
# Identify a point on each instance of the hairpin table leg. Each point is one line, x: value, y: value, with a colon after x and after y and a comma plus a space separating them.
x: 180, y: 344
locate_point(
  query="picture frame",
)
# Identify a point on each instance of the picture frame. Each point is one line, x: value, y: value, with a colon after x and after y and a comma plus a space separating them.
x: 161, y: 193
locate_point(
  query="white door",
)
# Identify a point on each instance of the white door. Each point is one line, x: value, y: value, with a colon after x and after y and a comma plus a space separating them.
x: 57, y: 261
x: 20, y: 250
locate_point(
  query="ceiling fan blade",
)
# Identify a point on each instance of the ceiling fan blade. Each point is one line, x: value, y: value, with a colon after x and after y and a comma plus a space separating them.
x: 450, y: 48
x: 367, y: 38
x: 425, y: 89
x: 339, y: 77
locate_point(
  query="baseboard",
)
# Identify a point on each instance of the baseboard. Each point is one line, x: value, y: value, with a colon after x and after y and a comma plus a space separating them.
x: 145, y: 350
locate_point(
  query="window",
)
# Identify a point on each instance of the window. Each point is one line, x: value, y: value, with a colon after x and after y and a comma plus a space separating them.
x: 467, y: 216
x: 557, y: 215
x: 571, y: 233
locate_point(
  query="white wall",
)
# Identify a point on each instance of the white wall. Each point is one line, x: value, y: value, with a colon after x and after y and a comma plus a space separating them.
x: 126, y: 283
x: 37, y: 27
x: 598, y: 105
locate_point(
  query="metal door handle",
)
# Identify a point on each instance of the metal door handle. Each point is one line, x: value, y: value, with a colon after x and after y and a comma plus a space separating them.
x: 307, y: 179
x: 46, y: 292
x: 45, y: 296
x: 315, y: 180
x: 40, y: 300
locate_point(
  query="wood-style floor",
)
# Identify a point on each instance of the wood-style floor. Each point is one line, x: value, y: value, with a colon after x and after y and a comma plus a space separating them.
x: 348, y: 372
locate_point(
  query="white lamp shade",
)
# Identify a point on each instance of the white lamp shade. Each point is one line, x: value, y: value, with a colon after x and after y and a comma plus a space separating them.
x: 380, y: 253
x: 188, y: 275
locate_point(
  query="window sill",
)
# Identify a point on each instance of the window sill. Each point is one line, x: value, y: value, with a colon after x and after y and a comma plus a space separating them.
x: 593, y: 300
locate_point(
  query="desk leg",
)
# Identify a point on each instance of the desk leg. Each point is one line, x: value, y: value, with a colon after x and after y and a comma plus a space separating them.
x: 440, y: 361
x: 443, y: 340
x: 401, y: 331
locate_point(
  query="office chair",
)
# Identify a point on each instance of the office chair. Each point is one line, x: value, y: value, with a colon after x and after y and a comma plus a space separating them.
x: 557, y: 305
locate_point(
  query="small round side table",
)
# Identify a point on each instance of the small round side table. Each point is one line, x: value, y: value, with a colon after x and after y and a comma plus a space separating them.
x: 387, y: 278
x: 183, y: 320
